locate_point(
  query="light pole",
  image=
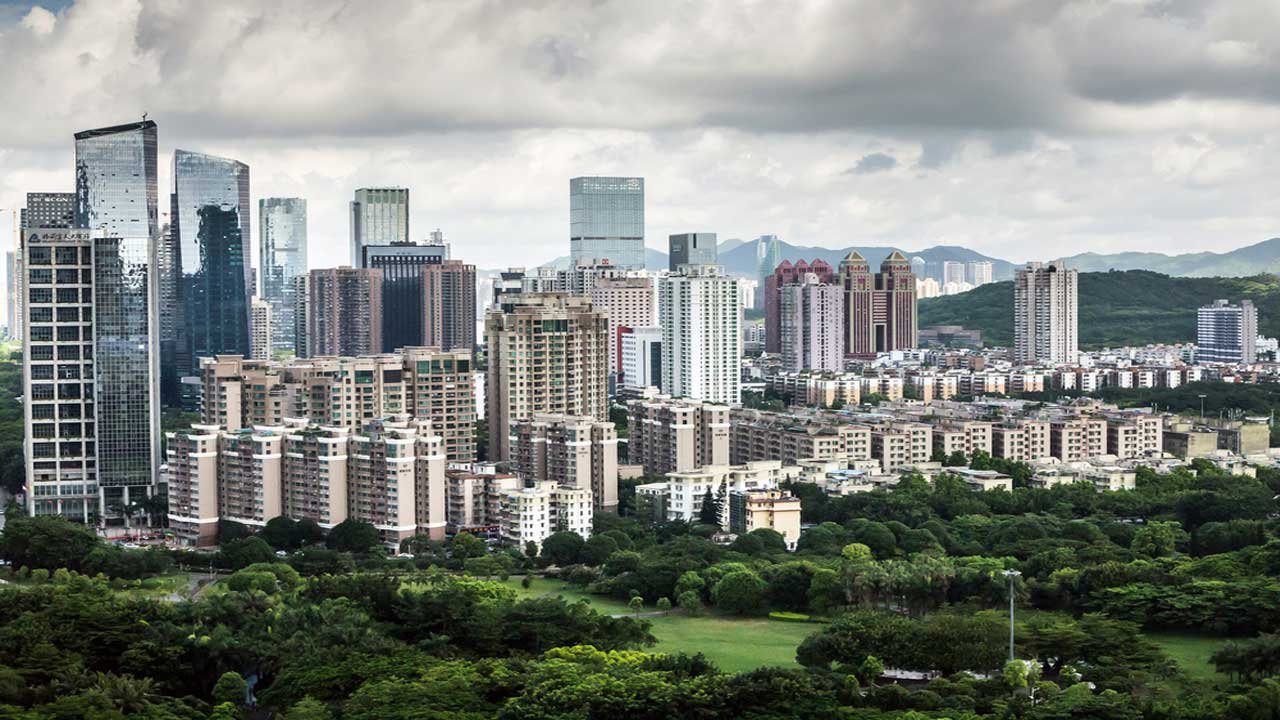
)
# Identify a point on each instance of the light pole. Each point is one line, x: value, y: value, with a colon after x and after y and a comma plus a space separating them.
x: 1201, y: 396
x: 1012, y: 575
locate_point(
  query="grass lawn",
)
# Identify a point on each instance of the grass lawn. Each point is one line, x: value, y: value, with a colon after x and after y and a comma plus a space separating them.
x: 1191, y: 652
x: 734, y: 644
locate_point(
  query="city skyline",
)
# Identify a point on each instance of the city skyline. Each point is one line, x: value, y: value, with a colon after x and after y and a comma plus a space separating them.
x: 1010, y: 161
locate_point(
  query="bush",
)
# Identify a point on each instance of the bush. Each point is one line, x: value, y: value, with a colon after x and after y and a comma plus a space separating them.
x: 663, y: 604
x: 247, y: 580
x: 789, y: 616
x: 740, y: 592
x: 690, y: 602
x: 40, y: 575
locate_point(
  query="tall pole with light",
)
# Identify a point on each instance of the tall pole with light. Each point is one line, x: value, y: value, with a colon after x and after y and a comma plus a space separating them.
x: 1201, y: 396
x: 1012, y: 575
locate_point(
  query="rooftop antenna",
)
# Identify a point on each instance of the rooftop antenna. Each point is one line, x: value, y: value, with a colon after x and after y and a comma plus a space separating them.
x: 144, y: 116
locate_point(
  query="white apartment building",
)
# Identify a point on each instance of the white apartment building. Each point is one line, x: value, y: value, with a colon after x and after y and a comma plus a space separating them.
x: 260, y: 330
x: 811, y: 315
x: 1045, y: 314
x: 530, y: 514
x: 701, y: 314
x: 683, y: 493
x: 1227, y: 333
x: 641, y: 359
x: 629, y: 302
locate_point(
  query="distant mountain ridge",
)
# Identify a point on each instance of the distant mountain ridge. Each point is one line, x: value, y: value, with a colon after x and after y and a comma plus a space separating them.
x: 1241, y: 262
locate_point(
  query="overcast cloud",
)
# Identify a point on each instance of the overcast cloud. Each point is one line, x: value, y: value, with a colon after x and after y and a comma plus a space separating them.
x: 1020, y: 129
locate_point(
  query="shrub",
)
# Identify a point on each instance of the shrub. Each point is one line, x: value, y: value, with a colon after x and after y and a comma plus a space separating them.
x: 663, y: 604
x: 789, y: 616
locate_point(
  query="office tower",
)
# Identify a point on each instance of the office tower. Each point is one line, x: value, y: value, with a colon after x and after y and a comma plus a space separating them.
x: 402, y: 266
x: 379, y: 216
x: 1227, y: 333
x: 700, y: 315
x: 629, y: 303
x: 116, y: 199
x: 1044, y: 314
x: 58, y: 359
x: 50, y: 210
x: 344, y: 312
x: 168, y: 314
x: 260, y: 322
x: 640, y: 358
x: 301, y: 315
x: 282, y: 242
x: 978, y: 272
x: 676, y: 436
x: 768, y: 256
x: 918, y: 266
x: 880, y: 308
x: 448, y: 308
x: 548, y: 353
x: 691, y: 249
x: 508, y: 282
x: 811, y: 315
x: 14, y: 285
x: 781, y: 276
x: 606, y: 220
x: 210, y: 249
x: 576, y: 452
x: 952, y: 272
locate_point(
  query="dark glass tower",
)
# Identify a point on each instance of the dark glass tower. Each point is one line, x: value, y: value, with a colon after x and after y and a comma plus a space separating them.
x: 282, y: 236
x: 116, y: 200
x: 210, y: 245
x: 402, y: 289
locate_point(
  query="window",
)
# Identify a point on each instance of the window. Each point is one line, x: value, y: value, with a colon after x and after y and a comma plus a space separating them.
x: 67, y: 314
x: 41, y: 314
x: 66, y: 255
x: 68, y: 296
x: 42, y: 411
x: 41, y: 352
x: 40, y: 277
x: 68, y: 352
x: 38, y: 256
x: 41, y: 372
x: 68, y: 276
x: 41, y: 295
x: 68, y: 333
x: 42, y: 333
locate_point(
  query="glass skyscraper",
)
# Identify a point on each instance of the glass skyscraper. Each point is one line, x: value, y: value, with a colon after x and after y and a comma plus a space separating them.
x: 116, y: 200
x: 379, y: 216
x: 282, y: 235
x: 606, y: 220
x: 402, y: 267
x: 210, y: 241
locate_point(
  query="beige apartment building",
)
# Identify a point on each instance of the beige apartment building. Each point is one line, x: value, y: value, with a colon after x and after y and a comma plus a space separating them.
x: 768, y: 509
x: 548, y: 353
x: 193, y: 484
x: 901, y: 445
x: 964, y: 437
x: 1024, y: 441
x: 758, y: 435
x: 249, y: 475
x: 315, y: 473
x: 1077, y: 438
x: 576, y: 452
x: 1130, y: 436
x: 629, y: 302
x: 666, y: 435
x: 473, y: 498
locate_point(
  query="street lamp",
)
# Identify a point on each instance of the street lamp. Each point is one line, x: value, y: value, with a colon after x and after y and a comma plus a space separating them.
x: 1012, y: 575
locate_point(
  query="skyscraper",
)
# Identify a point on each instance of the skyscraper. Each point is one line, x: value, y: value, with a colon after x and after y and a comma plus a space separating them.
x: 344, y: 312
x: 701, y: 315
x: 630, y: 302
x: 210, y: 240
x: 978, y: 272
x: 282, y: 236
x: 606, y: 220
x: 1227, y: 333
x: 880, y: 308
x: 768, y: 256
x: 116, y: 199
x: 548, y: 353
x: 51, y: 210
x: 58, y: 413
x: 691, y: 249
x: 402, y: 266
x: 1045, y: 323
x: 379, y: 216
x: 952, y: 272
x: 812, y: 325
x: 448, y: 314
x: 918, y: 265
x: 260, y: 322
x: 781, y: 276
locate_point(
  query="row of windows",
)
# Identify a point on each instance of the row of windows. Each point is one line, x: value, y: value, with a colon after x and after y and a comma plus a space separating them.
x: 65, y: 372
x: 65, y: 276
x: 65, y: 391
x: 63, y: 449
x: 65, y: 295
x: 64, y: 352
x: 40, y: 255
x: 46, y: 411
x: 64, y: 333
x: 64, y: 315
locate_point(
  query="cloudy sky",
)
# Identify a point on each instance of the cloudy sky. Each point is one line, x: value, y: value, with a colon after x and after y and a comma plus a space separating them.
x: 1020, y: 129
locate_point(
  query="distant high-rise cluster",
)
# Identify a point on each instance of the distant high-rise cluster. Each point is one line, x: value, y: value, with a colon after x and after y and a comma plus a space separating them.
x: 1045, y: 314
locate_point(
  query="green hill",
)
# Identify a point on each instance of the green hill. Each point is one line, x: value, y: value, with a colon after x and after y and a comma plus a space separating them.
x: 1132, y: 307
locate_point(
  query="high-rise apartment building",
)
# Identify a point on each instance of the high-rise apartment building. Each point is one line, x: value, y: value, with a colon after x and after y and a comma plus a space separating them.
x: 1045, y: 322
x: 952, y: 272
x: 402, y: 266
x: 880, y: 308
x: 577, y: 452
x: 260, y: 322
x: 639, y: 358
x: 448, y: 307
x: 209, y: 234
x: 701, y: 315
x: 606, y: 220
x: 1227, y: 333
x: 548, y: 354
x: 979, y: 272
x: 691, y: 249
x: 344, y: 312
x: 918, y: 266
x: 116, y: 197
x: 811, y: 316
x: 668, y: 435
x: 50, y: 210
x: 781, y: 276
x: 282, y: 241
x: 629, y: 303
x: 379, y: 216
x: 58, y: 373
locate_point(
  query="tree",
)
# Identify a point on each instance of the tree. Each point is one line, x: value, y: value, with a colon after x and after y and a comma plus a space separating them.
x: 690, y: 602
x: 1157, y: 539
x: 663, y: 604
x: 465, y: 546
x: 46, y: 541
x: 309, y: 708
x: 690, y: 581
x: 562, y: 548
x: 354, y: 536
x: 231, y: 688
x: 239, y: 554
x: 740, y: 592
x: 636, y: 604
x: 709, y: 513
x: 598, y: 549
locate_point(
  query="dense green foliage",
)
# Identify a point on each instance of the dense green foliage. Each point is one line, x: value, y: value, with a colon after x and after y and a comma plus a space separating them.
x: 12, y: 471
x: 1133, y: 307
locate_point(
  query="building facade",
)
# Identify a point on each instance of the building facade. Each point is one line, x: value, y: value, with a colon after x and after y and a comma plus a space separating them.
x: 700, y: 313
x: 344, y: 312
x: 575, y: 452
x: 880, y: 308
x: 1045, y: 314
x: 811, y: 324
x: 403, y: 267
x: 606, y: 220
x: 260, y: 329
x: 666, y: 435
x: 548, y: 353
x: 639, y: 358
x: 1227, y: 333
x: 448, y: 309
x: 282, y: 242
x: 691, y: 249
x: 629, y: 302
x: 783, y: 275
x: 379, y: 216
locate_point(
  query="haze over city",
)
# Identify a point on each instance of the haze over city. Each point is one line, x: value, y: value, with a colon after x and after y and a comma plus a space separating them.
x: 1020, y: 130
